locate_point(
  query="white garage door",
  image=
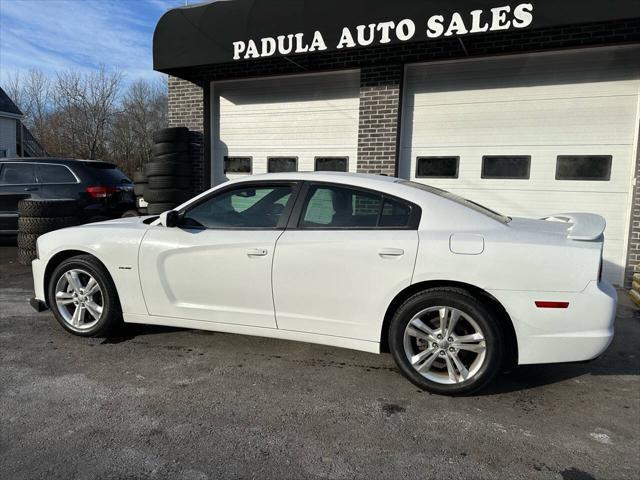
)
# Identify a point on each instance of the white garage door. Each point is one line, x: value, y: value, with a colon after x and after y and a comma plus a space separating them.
x: 530, y: 135
x: 303, y: 122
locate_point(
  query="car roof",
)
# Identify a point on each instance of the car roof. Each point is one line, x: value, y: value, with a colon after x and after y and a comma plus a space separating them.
x: 335, y: 177
x: 56, y: 160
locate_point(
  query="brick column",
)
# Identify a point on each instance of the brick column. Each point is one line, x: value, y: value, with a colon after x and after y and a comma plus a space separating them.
x: 186, y: 109
x: 380, y: 98
x: 633, y: 253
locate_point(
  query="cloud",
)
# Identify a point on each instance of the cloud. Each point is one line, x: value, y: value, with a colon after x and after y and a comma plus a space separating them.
x: 55, y: 35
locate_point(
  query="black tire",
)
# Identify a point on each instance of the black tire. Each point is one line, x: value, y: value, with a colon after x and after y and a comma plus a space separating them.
x: 180, y: 157
x: 138, y: 189
x: 139, y: 177
x: 158, y: 208
x: 172, y: 134
x: 26, y: 256
x: 41, y: 225
x: 130, y: 214
x: 27, y: 241
x: 469, y: 305
x: 167, y: 169
x: 111, y: 317
x: 35, y: 207
x: 169, y: 147
x: 156, y: 183
x: 166, y: 195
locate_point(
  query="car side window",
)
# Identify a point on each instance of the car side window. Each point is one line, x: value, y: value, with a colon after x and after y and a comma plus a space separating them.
x: 17, y: 174
x: 259, y: 207
x: 339, y: 207
x: 395, y: 214
x: 49, y: 173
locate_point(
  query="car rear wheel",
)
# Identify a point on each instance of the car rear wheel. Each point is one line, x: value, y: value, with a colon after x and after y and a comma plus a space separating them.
x: 446, y: 342
x: 83, y: 297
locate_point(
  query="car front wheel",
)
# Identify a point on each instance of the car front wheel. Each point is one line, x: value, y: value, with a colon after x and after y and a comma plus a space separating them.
x: 445, y: 341
x: 83, y: 297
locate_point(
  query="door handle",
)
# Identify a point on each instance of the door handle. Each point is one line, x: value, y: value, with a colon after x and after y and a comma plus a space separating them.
x: 30, y: 189
x: 391, y: 252
x: 257, y: 252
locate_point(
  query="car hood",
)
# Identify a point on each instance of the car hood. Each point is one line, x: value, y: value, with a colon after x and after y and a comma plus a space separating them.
x: 130, y: 222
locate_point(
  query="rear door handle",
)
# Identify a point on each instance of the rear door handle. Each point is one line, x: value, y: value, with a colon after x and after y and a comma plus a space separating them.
x: 257, y: 252
x: 391, y: 252
x: 30, y: 189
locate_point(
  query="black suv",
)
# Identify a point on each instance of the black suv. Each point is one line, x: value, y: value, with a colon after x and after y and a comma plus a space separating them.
x: 102, y: 191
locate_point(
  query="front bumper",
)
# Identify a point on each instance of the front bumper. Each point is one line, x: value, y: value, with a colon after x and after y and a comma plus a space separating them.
x: 579, y: 333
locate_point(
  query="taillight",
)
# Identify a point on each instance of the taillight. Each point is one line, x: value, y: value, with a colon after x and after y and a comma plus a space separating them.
x: 101, y: 191
x: 543, y: 304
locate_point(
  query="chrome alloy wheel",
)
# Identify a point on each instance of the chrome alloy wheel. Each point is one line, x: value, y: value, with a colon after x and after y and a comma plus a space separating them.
x: 444, y: 345
x: 79, y: 299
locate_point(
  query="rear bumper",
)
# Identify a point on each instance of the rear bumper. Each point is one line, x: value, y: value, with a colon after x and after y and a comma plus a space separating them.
x: 578, y: 333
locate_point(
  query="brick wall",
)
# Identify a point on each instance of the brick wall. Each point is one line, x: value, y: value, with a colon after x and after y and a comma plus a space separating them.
x: 186, y: 109
x: 633, y: 254
x: 380, y: 97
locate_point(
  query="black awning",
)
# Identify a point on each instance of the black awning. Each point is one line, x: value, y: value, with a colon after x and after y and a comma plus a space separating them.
x: 224, y: 31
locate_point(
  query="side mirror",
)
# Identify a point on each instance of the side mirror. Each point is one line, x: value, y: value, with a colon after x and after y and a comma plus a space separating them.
x: 170, y: 219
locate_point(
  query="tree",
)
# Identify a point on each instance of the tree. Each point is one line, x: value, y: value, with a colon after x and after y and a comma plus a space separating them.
x: 92, y: 115
x: 86, y: 104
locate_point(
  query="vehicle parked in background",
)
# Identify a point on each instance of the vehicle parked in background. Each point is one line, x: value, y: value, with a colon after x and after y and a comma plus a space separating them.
x: 453, y: 290
x: 103, y: 192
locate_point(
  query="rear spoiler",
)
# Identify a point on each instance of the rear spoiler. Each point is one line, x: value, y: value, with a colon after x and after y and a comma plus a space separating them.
x: 583, y: 226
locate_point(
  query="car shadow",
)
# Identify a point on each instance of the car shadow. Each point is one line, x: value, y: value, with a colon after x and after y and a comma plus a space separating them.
x: 130, y: 331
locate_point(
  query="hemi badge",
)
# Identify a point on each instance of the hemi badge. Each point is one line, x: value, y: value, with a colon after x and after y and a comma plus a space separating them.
x: 552, y: 304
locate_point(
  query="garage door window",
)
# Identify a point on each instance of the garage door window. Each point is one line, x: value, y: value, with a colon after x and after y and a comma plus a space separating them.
x: 437, y: 167
x: 237, y: 164
x: 332, y: 164
x: 514, y: 167
x: 584, y: 167
x: 282, y: 164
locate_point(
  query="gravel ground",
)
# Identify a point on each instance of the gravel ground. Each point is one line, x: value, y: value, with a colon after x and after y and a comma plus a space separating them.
x: 169, y: 403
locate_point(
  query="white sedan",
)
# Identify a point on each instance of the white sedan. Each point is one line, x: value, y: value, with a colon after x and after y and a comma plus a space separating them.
x: 453, y: 290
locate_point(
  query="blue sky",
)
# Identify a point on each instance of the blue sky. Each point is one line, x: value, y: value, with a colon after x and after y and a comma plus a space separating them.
x: 55, y: 35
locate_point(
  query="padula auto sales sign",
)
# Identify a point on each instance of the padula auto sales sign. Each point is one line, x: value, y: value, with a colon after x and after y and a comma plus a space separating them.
x: 458, y: 23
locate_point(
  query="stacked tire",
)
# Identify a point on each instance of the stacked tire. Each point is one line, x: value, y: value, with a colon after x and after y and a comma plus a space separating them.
x: 140, y: 184
x: 37, y: 217
x: 168, y: 173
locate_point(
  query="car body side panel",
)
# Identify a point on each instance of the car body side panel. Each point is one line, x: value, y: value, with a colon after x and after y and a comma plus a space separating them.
x: 114, y: 243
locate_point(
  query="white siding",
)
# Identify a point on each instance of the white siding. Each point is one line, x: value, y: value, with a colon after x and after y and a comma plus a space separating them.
x: 8, y: 136
x: 545, y: 105
x: 301, y: 116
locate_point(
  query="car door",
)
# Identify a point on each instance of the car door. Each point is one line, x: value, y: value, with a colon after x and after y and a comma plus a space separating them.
x: 17, y: 181
x: 216, y: 266
x: 342, y: 260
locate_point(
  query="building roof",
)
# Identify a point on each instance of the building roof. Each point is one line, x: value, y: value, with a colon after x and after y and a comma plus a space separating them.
x: 7, y: 105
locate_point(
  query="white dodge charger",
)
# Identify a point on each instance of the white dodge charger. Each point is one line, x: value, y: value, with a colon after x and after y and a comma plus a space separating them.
x: 453, y: 290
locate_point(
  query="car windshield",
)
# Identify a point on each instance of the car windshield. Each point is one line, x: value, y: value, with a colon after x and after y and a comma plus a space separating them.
x: 460, y: 200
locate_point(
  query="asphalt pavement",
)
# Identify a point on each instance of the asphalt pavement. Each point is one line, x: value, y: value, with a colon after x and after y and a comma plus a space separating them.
x: 181, y: 404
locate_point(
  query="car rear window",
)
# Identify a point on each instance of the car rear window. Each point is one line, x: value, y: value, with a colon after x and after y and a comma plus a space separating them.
x: 459, y: 200
x: 107, y: 174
